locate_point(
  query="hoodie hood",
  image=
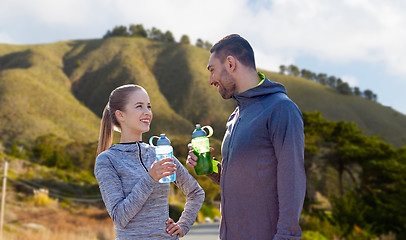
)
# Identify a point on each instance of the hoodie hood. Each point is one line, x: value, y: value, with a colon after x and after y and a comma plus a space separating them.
x: 265, y: 88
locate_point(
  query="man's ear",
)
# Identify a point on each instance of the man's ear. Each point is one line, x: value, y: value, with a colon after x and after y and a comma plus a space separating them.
x: 119, y: 115
x: 231, y: 63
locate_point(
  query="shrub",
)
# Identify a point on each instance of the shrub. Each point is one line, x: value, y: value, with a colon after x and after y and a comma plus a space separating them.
x: 209, y: 211
x: 41, y: 198
x: 312, y: 235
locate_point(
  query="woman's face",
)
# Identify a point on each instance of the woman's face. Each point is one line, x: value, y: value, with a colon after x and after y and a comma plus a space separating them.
x: 137, y: 115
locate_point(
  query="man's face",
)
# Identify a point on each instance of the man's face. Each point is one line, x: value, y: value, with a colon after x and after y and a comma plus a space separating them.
x: 220, y: 77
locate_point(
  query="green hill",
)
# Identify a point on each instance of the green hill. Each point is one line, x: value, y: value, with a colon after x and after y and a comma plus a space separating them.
x: 371, y: 117
x: 36, y: 98
x: 63, y: 87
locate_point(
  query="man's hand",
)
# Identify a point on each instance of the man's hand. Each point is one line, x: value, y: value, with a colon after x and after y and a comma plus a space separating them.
x: 192, y: 158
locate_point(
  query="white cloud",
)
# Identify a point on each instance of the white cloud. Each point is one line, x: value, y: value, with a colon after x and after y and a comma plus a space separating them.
x: 279, y: 30
x: 337, y: 31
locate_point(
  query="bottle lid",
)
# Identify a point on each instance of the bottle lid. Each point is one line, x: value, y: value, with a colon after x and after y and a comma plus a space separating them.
x: 198, y: 132
x: 163, y: 140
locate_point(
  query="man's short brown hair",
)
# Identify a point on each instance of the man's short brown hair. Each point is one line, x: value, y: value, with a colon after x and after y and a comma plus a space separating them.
x: 236, y: 46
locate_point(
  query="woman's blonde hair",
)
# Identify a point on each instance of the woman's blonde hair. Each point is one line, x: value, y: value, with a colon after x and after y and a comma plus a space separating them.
x: 117, y: 101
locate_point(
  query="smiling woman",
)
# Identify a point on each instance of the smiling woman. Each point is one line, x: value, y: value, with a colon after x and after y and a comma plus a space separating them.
x: 136, y: 116
x: 128, y: 172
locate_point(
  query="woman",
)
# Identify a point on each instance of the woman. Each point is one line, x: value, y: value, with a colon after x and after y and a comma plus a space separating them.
x: 128, y: 173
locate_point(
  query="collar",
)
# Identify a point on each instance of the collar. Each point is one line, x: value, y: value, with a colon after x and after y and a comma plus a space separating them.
x: 129, y: 147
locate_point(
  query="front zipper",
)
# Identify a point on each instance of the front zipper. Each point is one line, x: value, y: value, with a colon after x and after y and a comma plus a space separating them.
x: 234, y: 127
x: 139, y: 152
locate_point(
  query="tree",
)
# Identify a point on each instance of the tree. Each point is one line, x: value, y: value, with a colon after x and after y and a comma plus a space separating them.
x: 120, y: 31
x: 345, y: 151
x: 322, y: 78
x: 375, y: 97
x: 368, y: 94
x: 383, y: 188
x: 282, y: 69
x: 372, y: 202
x: 344, y: 88
x: 316, y: 130
x: 293, y: 70
x: 313, y: 76
x: 199, y: 43
x: 168, y: 37
x: 184, y: 39
x: 306, y: 74
x: 357, y: 92
x: 137, y: 30
x: 207, y: 45
x: 107, y: 35
x: 332, y: 81
x: 155, y: 34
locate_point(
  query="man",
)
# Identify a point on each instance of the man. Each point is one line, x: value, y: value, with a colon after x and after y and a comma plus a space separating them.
x: 262, y: 174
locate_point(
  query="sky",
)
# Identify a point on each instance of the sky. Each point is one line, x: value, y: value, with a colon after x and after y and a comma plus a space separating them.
x: 362, y: 42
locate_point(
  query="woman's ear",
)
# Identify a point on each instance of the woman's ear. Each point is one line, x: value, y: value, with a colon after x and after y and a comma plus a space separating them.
x: 119, y: 115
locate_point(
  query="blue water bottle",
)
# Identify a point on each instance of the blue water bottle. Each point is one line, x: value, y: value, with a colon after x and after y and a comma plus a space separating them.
x: 163, y: 150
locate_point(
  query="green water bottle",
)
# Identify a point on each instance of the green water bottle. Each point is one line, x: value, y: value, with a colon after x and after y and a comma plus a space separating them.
x: 201, y: 148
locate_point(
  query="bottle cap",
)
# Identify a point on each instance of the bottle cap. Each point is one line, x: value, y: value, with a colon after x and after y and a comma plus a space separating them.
x: 198, y: 132
x: 163, y: 140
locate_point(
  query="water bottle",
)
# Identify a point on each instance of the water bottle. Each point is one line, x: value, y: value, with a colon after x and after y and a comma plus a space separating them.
x: 201, y: 148
x: 163, y: 150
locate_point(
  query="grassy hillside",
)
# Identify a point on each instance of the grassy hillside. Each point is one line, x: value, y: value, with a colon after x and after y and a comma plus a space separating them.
x: 35, y: 96
x: 63, y: 87
x: 108, y: 64
x: 371, y: 117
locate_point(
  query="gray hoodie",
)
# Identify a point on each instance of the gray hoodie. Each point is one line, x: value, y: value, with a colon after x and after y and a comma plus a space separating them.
x: 137, y: 203
x: 262, y: 178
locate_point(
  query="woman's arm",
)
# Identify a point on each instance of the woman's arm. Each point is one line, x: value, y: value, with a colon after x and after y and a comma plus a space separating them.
x: 121, y: 208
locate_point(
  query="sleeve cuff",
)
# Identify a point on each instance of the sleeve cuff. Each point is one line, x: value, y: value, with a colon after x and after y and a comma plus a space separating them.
x: 185, y: 229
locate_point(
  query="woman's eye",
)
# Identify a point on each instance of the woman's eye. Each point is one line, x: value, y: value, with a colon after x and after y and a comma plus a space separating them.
x: 138, y: 106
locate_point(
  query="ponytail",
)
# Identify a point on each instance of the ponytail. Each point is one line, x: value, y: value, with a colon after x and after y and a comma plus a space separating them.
x: 106, y: 131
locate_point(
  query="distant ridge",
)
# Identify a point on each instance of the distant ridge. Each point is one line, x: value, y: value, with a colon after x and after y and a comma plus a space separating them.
x: 62, y: 88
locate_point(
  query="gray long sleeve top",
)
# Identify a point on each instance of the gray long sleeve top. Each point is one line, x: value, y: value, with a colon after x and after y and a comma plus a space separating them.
x: 262, y: 175
x: 137, y: 203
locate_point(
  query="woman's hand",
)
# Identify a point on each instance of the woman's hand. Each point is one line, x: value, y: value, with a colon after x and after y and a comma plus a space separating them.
x: 162, y: 168
x: 173, y: 228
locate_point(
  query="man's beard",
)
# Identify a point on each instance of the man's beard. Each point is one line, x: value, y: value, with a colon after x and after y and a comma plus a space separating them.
x: 228, y: 89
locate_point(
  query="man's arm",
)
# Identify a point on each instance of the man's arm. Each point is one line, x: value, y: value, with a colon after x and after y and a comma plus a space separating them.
x: 288, y: 139
x: 215, y: 176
